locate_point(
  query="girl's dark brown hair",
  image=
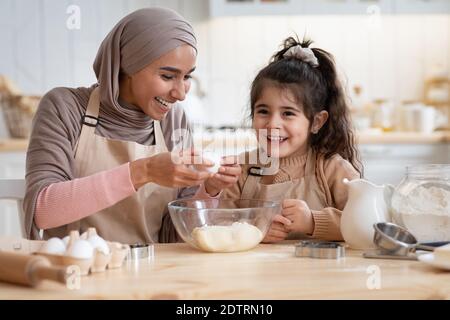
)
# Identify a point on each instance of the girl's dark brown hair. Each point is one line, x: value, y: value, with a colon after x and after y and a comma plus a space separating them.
x: 316, y: 89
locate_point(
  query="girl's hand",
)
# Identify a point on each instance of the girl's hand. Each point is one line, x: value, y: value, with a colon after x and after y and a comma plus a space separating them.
x: 277, y: 230
x: 298, y: 212
x: 169, y: 170
x: 227, y: 176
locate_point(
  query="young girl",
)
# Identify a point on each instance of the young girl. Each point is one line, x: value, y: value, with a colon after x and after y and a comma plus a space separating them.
x: 299, y: 110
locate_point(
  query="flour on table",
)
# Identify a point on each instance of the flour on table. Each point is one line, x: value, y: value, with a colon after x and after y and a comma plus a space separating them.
x: 239, y: 236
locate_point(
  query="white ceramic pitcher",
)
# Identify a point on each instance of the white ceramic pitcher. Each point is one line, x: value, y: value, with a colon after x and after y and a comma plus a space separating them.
x: 367, y: 204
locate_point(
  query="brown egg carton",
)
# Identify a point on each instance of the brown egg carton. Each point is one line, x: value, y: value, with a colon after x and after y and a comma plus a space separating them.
x: 98, y: 263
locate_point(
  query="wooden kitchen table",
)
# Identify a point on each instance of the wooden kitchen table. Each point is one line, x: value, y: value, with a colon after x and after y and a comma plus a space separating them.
x: 270, y: 271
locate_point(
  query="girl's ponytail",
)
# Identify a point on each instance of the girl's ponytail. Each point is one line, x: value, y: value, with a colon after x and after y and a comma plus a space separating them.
x: 336, y: 136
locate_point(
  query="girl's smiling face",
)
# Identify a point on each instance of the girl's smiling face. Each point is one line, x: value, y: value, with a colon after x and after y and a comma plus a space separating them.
x: 286, y: 127
x: 162, y: 83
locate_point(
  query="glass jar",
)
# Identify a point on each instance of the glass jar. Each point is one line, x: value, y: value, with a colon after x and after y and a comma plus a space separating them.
x: 421, y: 202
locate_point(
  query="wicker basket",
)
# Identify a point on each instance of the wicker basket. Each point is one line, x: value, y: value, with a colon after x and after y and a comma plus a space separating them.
x: 18, y: 111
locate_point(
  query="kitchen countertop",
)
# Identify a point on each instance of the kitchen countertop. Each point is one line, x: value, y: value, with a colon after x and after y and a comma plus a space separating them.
x: 404, y: 138
x: 270, y: 271
x: 11, y: 145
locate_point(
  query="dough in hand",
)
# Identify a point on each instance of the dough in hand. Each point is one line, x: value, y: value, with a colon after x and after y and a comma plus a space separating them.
x: 214, y: 158
x: 239, y: 236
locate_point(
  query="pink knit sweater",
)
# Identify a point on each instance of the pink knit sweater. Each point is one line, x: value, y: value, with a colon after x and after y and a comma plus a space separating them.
x: 68, y: 201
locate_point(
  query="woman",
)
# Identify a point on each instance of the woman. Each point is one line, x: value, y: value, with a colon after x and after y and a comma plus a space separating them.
x: 99, y: 156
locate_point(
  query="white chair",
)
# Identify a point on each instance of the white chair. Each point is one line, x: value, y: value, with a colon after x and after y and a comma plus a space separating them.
x: 13, y: 189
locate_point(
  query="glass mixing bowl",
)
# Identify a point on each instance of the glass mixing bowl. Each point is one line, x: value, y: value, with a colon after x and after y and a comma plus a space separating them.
x: 216, y: 225
x: 421, y: 202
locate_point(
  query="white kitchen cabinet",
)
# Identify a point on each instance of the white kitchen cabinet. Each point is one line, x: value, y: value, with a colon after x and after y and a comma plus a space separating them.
x: 421, y: 6
x: 348, y: 6
x: 386, y: 163
x: 254, y: 7
x: 296, y: 7
x: 300, y: 7
x: 12, y: 166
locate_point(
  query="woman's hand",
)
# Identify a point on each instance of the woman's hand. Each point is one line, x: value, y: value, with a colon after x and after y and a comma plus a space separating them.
x: 227, y: 176
x: 298, y: 212
x: 169, y: 170
x: 278, y: 230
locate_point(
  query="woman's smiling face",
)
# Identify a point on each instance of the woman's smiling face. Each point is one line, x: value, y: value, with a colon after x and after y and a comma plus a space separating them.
x: 280, y: 122
x: 162, y: 83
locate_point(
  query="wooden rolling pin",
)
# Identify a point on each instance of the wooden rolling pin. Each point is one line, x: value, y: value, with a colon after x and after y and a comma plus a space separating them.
x: 29, y: 269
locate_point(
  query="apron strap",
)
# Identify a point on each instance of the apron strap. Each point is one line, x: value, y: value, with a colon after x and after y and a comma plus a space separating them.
x: 159, y: 136
x: 255, y: 173
x: 249, y: 188
x: 310, y: 167
x: 90, y: 118
x: 310, y: 172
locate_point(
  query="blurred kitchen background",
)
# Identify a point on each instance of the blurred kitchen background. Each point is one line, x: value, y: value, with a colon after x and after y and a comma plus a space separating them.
x: 394, y: 56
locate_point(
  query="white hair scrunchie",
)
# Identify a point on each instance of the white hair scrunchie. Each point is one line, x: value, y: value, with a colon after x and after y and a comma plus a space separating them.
x: 303, y: 54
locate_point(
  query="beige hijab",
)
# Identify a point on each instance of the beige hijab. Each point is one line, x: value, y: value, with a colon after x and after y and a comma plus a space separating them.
x: 138, y: 39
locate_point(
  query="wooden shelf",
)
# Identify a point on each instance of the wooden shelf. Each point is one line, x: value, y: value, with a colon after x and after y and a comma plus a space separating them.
x: 404, y: 137
x: 317, y: 7
x: 11, y: 145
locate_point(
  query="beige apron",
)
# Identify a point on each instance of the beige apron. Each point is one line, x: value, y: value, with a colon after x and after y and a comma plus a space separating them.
x: 307, y: 188
x: 136, y: 219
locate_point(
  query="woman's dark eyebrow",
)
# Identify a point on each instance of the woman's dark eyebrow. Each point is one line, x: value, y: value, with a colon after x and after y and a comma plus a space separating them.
x: 175, y: 70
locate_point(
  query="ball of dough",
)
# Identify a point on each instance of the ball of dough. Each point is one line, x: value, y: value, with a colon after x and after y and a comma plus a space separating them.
x: 237, y: 237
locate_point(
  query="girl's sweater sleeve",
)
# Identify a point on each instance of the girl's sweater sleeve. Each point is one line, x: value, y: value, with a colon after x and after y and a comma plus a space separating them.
x: 64, y: 202
x: 327, y: 220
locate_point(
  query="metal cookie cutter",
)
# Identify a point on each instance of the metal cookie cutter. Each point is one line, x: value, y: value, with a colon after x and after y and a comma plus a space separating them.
x: 320, y: 250
x: 140, y: 251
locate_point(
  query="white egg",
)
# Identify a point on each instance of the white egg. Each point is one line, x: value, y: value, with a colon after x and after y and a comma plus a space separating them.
x: 99, y: 243
x: 80, y: 249
x: 84, y: 235
x: 213, y: 157
x: 53, y: 246
x: 66, y: 240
